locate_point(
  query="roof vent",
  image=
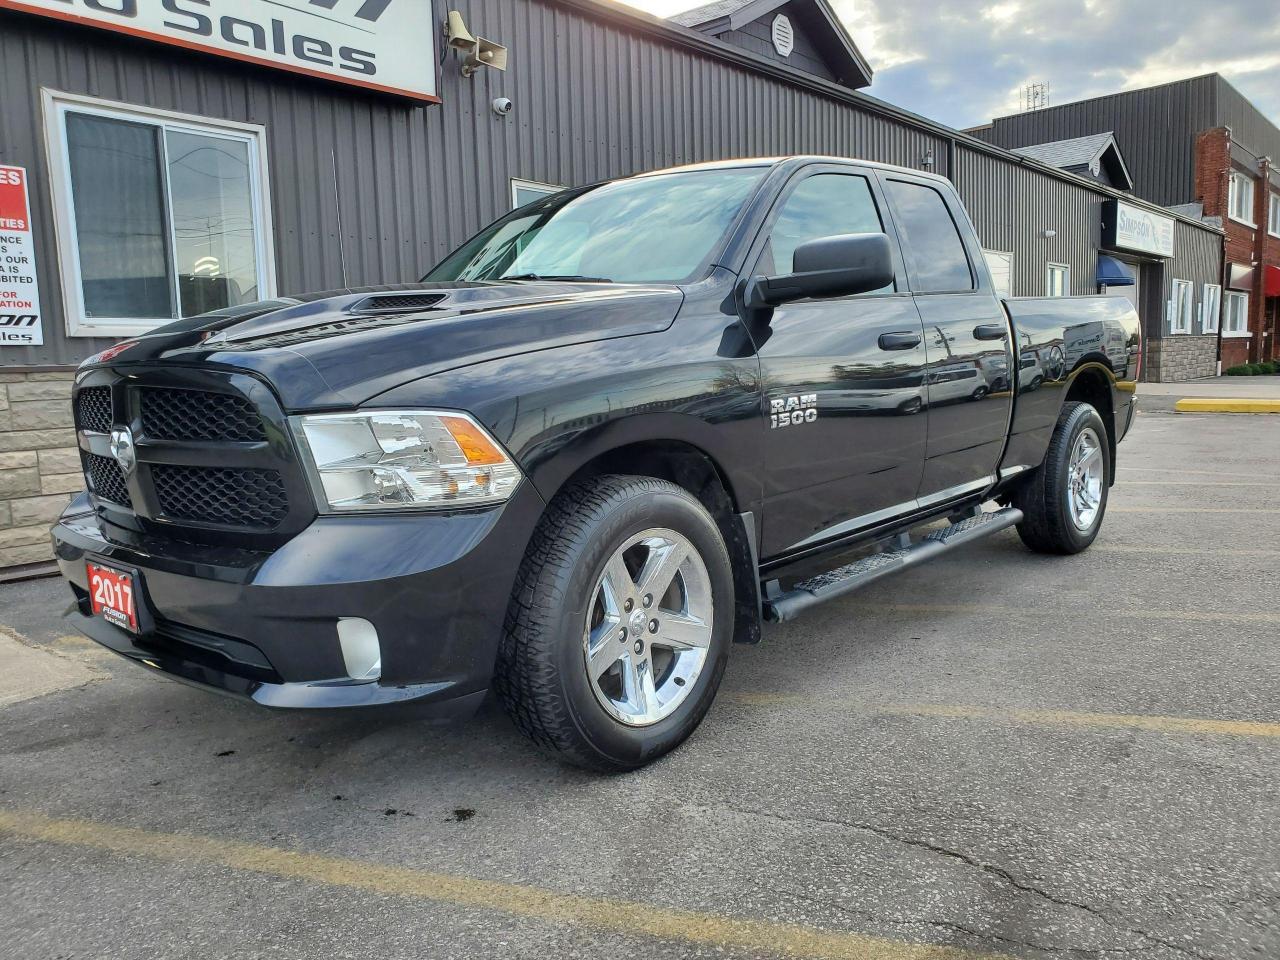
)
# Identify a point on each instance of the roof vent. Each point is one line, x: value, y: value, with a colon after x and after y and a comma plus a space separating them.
x: 397, y: 302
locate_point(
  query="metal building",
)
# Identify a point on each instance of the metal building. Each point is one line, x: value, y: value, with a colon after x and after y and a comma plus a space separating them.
x: 171, y: 159
x: 1201, y: 146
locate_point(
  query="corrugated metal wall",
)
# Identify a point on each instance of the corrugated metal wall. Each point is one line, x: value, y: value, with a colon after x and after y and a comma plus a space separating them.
x: 1155, y: 129
x: 1013, y: 206
x: 1249, y: 126
x: 594, y: 98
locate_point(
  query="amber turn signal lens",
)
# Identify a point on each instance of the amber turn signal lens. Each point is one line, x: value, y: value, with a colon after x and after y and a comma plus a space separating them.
x: 475, y: 446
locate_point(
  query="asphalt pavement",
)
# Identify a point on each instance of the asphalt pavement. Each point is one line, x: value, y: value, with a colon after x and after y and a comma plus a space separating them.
x: 999, y: 754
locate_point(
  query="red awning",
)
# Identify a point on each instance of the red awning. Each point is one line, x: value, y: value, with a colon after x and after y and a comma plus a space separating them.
x: 1271, y: 281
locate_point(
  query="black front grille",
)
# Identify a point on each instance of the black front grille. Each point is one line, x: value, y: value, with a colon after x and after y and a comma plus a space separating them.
x: 107, y: 479
x: 198, y: 415
x: 93, y: 409
x: 223, y: 496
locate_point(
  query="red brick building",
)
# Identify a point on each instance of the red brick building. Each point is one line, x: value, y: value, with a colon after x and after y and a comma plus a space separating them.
x: 1242, y: 188
x: 1201, y: 148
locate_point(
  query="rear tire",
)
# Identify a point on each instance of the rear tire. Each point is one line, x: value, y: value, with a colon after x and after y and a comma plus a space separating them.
x: 596, y: 667
x: 1065, y: 499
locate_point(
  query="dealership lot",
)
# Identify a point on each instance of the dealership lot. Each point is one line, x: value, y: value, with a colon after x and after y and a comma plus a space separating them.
x: 998, y: 754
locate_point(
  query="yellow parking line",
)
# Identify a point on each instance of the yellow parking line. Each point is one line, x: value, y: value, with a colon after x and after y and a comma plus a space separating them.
x: 1155, y: 508
x: 1122, y: 721
x: 1191, y: 483
x: 1181, y: 551
x: 1192, y: 616
x: 1053, y: 718
x: 1198, y: 473
x: 628, y: 918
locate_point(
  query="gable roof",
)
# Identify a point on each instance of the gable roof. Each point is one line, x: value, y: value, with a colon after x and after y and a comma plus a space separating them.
x: 1088, y: 155
x: 816, y: 16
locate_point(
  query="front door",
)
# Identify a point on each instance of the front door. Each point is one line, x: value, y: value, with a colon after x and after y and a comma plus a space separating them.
x: 843, y: 425
x: 970, y: 372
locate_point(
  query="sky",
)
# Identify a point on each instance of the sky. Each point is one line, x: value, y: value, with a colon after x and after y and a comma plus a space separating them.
x: 963, y: 62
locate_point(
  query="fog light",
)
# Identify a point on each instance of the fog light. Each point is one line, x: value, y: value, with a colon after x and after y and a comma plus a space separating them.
x: 360, y: 650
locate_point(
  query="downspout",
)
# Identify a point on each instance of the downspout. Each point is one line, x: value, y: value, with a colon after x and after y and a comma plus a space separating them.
x: 1261, y: 210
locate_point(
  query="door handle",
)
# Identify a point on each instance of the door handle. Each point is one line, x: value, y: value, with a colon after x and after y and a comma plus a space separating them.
x: 990, y: 331
x: 900, y: 340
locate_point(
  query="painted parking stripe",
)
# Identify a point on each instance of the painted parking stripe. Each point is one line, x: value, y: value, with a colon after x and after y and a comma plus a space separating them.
x: 1190, y: 483
x: 1050, y: 718
x: 1181, y: 551
x: 1195, y: 473
x: 1009, y: 610
x: 1156, y: 508
x: 628, y: 918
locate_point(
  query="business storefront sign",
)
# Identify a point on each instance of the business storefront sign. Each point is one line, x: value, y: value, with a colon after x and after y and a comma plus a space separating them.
x: 1129, y: 227
x: 386, y: 45
x: 20, y: 321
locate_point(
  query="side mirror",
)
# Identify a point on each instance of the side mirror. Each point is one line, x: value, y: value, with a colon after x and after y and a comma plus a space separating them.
x: 837, y: 266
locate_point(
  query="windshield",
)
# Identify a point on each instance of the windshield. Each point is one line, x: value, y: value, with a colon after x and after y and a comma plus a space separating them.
x: 659, y: 229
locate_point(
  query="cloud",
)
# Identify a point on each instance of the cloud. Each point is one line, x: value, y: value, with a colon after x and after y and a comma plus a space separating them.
x: 964, y: 62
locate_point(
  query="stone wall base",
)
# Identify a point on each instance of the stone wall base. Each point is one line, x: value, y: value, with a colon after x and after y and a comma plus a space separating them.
x: 1181, y: 358
x: 39, y: 462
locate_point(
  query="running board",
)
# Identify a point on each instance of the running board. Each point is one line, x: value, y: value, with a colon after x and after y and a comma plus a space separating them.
x: 846, y: 579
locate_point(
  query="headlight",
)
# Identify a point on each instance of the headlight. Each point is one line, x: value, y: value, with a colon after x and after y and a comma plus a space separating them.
x: 403, y: 458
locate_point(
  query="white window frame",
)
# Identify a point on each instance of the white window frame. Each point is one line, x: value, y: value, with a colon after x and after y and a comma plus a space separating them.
x: 1235, y: 296
x: 517, y: 184
x: 1211, y: 308
x: 1239, y: 183
x: 1182, y: 303
x: 1007, y: 256
x: 56, y: 106
x: 1049, y: 270
x: 1273, y: 213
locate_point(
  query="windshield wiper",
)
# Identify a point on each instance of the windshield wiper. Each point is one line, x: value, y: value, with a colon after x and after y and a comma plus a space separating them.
x: 555, y: 276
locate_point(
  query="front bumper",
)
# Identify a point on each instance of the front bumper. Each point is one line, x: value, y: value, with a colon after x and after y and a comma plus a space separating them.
x: 263, y: 625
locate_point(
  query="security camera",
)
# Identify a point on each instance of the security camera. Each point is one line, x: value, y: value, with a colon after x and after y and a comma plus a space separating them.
x: 502, y: 106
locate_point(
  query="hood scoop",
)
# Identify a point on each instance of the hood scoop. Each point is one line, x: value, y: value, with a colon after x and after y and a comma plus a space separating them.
x: 397, y: 302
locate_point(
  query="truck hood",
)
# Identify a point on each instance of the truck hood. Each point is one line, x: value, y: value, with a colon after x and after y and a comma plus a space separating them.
x: 343, y: 348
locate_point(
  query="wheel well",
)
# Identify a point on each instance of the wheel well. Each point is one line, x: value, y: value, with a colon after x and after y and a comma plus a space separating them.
x: 1091, y: 386
x: 695, y: 471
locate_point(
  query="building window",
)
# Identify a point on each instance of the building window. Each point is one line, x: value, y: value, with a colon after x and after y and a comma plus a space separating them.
x: 1000, y: 263
x: 527, y: 191
x: 1240, y: 198
x: 1273, y: 215
x: 1210, y: 308
x: 1180, y: 306
x: 1235, y: 314
x: 1057, y: 280
x: 159, y: 215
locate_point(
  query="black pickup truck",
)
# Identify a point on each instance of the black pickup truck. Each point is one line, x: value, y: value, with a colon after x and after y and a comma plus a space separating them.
x: 611, y: 434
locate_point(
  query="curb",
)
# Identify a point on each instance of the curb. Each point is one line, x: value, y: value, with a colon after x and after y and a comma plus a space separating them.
x: 1208, y: 405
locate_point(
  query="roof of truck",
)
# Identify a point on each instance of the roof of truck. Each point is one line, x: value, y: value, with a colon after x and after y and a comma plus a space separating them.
x: 799, y: 157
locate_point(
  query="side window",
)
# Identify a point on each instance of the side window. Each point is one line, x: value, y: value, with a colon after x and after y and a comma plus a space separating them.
x: 931, y: 243
x: 824, y: 205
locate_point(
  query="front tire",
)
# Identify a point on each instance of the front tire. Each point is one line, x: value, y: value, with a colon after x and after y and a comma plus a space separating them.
x: 620, y: 624
x: 1064, y: 501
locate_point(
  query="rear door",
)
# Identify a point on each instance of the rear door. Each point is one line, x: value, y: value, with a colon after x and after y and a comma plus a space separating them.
x: 843, y: 436
x: 966, y: 336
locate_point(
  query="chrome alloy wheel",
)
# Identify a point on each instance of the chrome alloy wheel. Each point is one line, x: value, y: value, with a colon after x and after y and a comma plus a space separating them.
x: 1084, y: 480
x: 648, y: 627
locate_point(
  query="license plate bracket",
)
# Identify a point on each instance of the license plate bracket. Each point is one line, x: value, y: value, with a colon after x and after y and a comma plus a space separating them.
x: 114, y: 595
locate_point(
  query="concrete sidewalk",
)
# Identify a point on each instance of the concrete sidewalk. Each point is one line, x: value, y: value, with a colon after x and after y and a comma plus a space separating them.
x: 1163, y: 397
